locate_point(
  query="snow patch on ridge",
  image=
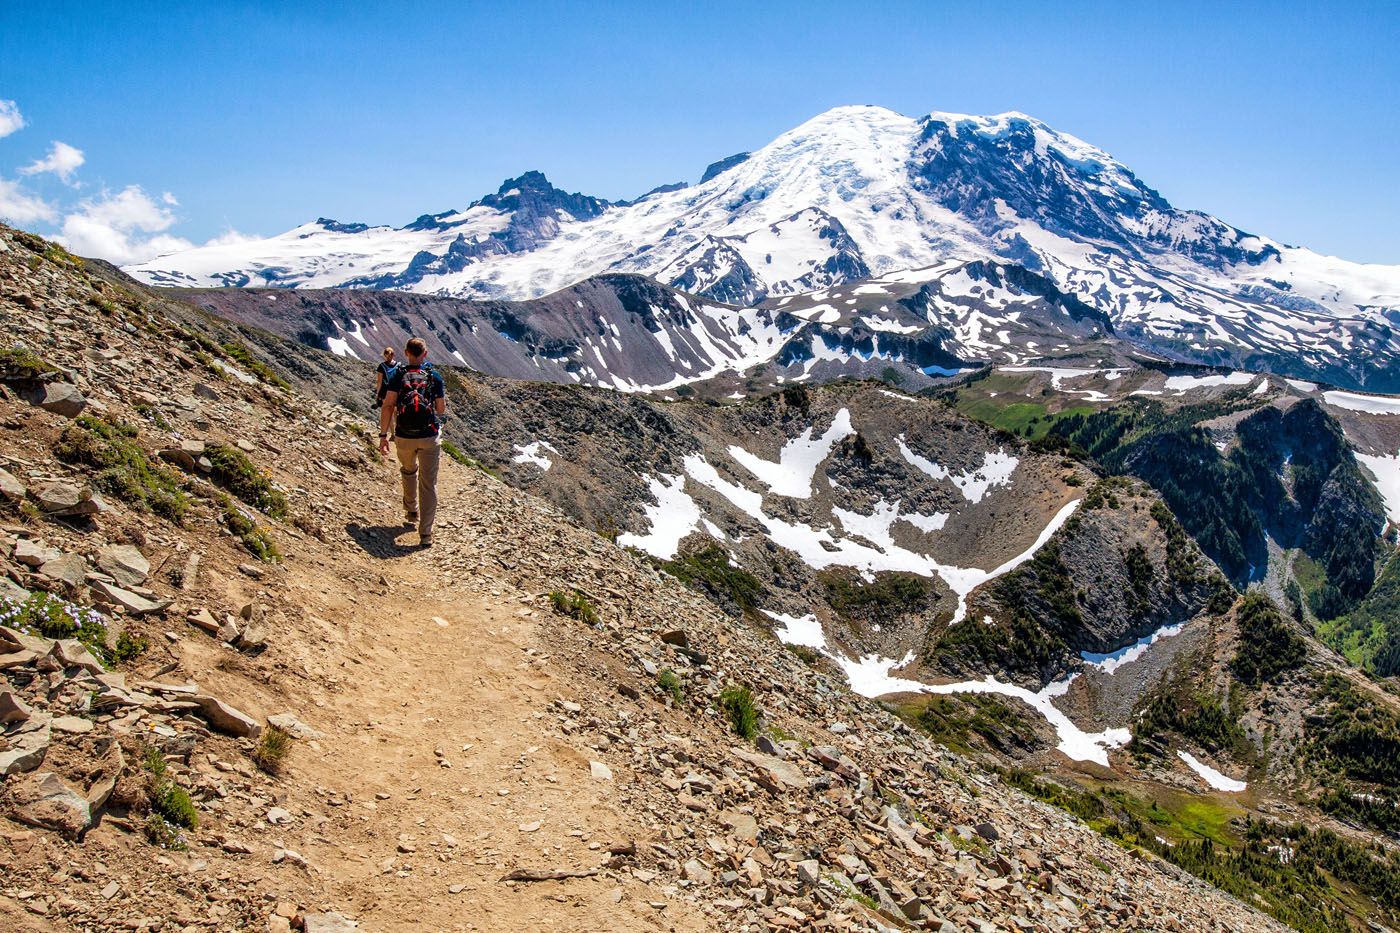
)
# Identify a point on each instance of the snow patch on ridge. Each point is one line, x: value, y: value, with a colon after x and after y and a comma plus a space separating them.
x: 1386, y: 471
x: 1183, y: 384
x: 533, y: 453
x: 1369, y: 404
x: 1058, y: 374
x: 674, y: 516
x: 974, y: 484
x: 341, y: 347
x: 1108, y: 663
x: 870, y: 676
x: 1211, y: 776
x: 805, y: 631
x: 820, y: 550
x: 797, y: 463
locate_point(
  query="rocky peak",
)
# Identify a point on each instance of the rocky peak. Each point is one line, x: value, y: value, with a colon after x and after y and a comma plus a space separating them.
x: 971, y: 164
x: 532, y: 196
x: 723, y: 165
x: 335, y: 226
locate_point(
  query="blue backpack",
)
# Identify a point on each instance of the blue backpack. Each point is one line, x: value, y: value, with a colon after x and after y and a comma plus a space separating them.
x: 384, y: 383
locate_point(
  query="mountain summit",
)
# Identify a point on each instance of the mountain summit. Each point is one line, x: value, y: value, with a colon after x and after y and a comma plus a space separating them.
x: 863, y: 191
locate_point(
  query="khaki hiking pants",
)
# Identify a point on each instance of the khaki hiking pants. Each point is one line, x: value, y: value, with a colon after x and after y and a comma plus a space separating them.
x: 418, y: 469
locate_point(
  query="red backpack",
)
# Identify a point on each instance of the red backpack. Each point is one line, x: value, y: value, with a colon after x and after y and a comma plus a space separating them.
x: 415, y: 415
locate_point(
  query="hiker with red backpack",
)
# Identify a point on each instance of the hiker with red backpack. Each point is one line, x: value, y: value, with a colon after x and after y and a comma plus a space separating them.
x: 415, y: 405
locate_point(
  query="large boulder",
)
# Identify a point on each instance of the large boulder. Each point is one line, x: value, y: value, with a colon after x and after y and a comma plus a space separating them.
x: 772, y: 772
x: 830, y: 758
x: 225, y: 718
x: 66, y: 499
x: 328, y: 923
x: 61, y: 398
x: 184, y: 454
x: 32, y: 553
x: 70, y: 568
x: 133, y: 603
x: 68, y: 653
x: 109, y: 768
x: 46, y: 800
x: 289, y: 723
x: 13, y: 709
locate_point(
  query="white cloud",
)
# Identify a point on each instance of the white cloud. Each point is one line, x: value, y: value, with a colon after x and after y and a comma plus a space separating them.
x: 63, y: 160
x: 126, y: 227
x: 11, y: 121
x: 20, y: 207
x: 231, y: 237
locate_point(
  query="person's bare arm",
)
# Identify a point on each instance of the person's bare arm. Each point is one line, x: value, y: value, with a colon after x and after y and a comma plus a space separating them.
x: 386, y: 418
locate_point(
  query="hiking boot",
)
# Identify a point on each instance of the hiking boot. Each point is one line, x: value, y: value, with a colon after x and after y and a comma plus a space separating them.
x: 410, y: 518
x: 425, y: 540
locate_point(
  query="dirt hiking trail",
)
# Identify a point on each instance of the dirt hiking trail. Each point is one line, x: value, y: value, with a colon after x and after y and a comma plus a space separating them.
x: 440, y: 775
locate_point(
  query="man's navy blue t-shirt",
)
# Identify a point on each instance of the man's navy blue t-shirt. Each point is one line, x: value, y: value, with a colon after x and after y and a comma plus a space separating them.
x: 436, y: 390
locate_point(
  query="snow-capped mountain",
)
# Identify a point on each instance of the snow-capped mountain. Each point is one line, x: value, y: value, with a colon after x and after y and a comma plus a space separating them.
x: 863, y: 191
x: 633, y: 334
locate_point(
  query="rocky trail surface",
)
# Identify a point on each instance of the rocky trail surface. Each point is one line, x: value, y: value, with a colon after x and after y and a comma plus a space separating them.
x: 463, y: 755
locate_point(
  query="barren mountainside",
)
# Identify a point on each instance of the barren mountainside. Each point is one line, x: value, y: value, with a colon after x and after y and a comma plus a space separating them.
x: 184, y: 582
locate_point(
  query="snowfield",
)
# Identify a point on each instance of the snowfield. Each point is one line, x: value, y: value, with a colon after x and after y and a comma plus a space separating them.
x: 804, y: 631
x: 1183, y: 384
x: 1108, y: 663
x: 1386, y: 473
x: 867, y: 545
x: 674, y: 516
x: 974, y: 484
x: 797, y: 463
x: 1369, y: 404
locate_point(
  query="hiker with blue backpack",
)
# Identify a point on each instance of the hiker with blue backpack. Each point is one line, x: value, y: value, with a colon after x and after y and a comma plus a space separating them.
x: 415, y: 407
x: 382, y: 374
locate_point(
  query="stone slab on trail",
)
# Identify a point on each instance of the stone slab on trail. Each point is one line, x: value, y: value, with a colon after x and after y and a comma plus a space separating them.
x: 125, y: 562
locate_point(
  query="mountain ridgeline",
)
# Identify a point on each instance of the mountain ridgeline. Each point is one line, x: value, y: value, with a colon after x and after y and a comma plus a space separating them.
x: 862, y: 193
x: 632, y: 333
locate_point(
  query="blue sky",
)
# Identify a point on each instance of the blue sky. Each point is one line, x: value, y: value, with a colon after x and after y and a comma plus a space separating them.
x: 1278, y: 117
